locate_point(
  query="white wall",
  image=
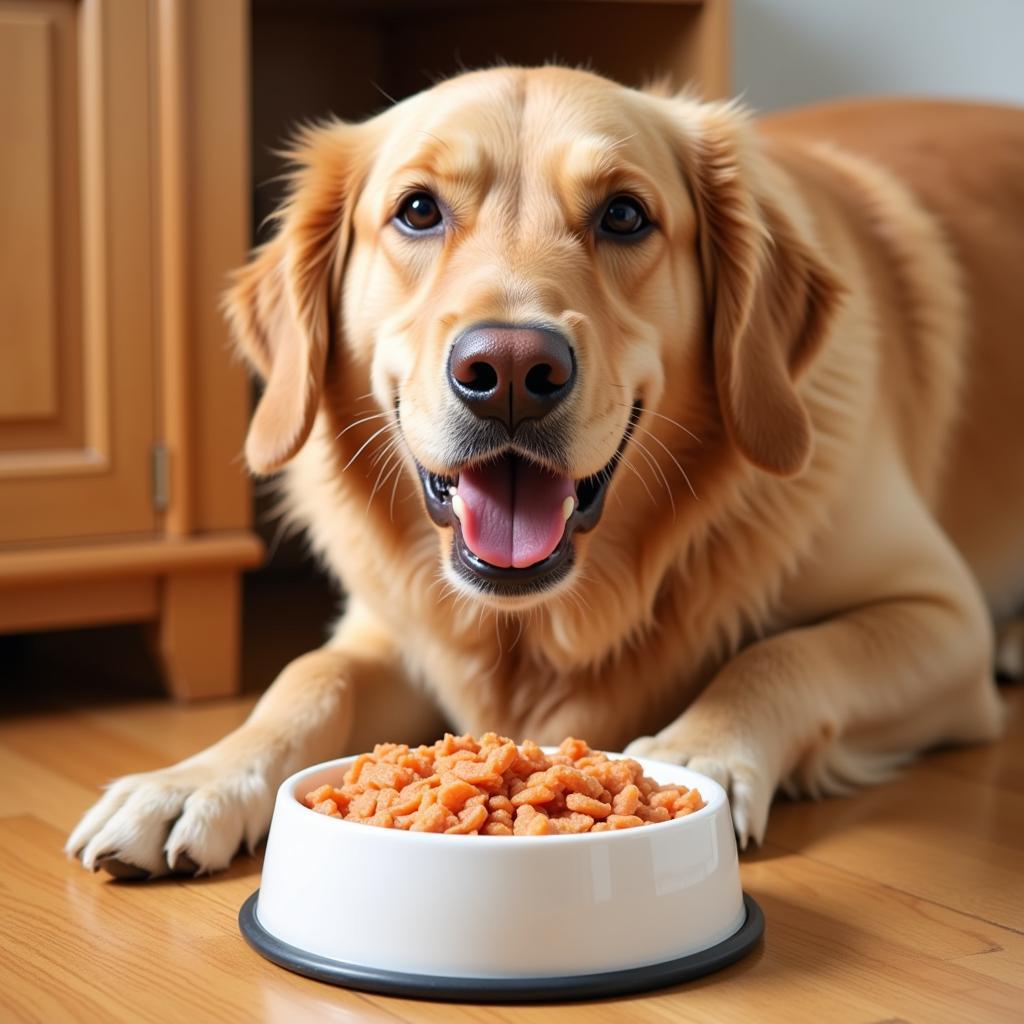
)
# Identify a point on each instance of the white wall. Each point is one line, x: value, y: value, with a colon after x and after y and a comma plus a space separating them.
x: 788, y: 52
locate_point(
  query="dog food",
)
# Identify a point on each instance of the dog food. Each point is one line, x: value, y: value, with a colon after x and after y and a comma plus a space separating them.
x: 491, y: 787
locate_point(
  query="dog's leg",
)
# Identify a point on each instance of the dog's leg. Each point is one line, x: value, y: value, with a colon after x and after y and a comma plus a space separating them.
x: 825, y: 707
x: 1010, y: 648
x: 193, y: 816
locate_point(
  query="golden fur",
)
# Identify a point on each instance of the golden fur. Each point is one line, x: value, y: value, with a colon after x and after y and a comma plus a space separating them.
x: 771, y: 595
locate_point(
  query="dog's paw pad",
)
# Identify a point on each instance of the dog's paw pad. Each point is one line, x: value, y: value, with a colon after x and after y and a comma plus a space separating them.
x: 121, y: 869
x: 183, y: 864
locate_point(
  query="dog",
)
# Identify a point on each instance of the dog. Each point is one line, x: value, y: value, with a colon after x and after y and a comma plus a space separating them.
x: 619, y: 414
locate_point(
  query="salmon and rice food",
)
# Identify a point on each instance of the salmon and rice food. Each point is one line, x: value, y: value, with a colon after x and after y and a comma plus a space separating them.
x: 492, y: 787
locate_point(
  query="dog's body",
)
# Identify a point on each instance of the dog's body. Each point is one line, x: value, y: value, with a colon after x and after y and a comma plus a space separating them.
x: 823, y: 492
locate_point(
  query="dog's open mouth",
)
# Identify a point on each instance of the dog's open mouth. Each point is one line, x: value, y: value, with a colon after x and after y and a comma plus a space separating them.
x: 513, y: 519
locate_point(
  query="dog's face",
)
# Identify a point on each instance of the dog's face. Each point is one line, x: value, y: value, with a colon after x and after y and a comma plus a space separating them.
x: 547, y: 279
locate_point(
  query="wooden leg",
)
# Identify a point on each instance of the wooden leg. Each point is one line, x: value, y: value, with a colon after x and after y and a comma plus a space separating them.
x: 200, y: 634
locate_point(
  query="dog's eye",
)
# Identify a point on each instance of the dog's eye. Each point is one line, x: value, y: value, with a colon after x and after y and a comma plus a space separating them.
x: 624, y: 215
x: 419, y: 212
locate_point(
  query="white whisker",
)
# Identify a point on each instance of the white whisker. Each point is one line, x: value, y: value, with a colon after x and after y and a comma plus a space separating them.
x: 674, y: 423
x: 385, y: 450
x: 356, y: 423
x: 376, y: 433
x: 646, y: 452
x: 629, y: 465
x: 668, y: 452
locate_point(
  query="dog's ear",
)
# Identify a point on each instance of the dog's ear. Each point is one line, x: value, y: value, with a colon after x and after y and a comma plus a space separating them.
x: 282, y: 306
x: 769, y: 294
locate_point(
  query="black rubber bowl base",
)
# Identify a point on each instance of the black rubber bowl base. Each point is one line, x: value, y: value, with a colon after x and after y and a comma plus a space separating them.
x: 504, y: 990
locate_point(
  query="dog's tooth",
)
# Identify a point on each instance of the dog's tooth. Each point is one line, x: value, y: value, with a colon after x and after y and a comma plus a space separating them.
x: 452, y: 490
x: 458, y: 507
x: 567, y: 507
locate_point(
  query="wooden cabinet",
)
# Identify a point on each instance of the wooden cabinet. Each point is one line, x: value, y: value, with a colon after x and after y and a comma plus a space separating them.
x: 124, y: 201
x: 78, y: 356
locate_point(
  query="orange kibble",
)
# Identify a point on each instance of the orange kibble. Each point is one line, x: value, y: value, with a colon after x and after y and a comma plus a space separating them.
x: 389, y: 751
x: 434, y: 818
x: 364, y: 805
x: 319, y: 795
x: 500, y: 760
x: 327, y: 807
x: 539, y: 826
x: 626, y: 799
x: 352, y: 775
x: 588, y: 805
x: 572, y: 823
x: 495, y: 828
x: 690, y: 801
x: 664, y: 798
x: 617, y: 777
x: 470, y: 820
x: 387, y: 798
x: 572, y: 779
x: 463, y: 786
x: 529, y: 822
x: 530, y: 759
x: 455, y: 794
x: 533, y: 795
x: 475, y: 772
x: 385, y: 776
x: 617, y: 821
x: 653, y: 814
x: 574, y: 748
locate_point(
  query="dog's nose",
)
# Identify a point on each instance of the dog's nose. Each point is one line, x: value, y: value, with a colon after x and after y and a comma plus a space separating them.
x: 511, y: 373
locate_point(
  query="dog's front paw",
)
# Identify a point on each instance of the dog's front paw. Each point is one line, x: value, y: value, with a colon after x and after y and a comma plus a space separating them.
x: 190, y: 818
x: 750, y: 790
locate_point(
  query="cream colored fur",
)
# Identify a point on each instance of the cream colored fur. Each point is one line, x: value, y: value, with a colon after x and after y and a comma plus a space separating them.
x: 770, y: 597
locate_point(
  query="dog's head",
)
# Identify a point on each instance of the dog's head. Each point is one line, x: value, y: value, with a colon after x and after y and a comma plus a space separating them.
x: 549, y: 283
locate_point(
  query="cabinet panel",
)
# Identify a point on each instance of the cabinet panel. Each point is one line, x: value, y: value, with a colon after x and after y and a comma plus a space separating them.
x: 28, y: 286
x: 76, y: 309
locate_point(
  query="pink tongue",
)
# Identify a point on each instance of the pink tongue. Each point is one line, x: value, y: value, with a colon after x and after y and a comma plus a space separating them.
x: 512, y: 513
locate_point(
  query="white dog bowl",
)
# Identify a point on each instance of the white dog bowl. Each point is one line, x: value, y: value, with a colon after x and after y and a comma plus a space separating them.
x: 500, y: 918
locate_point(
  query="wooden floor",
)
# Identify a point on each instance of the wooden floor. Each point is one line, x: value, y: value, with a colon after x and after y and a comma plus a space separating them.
x: 902, y: 903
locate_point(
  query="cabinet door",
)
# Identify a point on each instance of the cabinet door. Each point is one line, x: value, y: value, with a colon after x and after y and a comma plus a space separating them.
x: 77, y: 421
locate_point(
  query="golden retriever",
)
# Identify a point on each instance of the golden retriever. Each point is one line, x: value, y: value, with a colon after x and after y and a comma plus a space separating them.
x: 620, y: 415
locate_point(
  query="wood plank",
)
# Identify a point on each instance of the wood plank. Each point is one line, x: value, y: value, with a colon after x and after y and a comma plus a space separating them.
x: 77, y: 603
x: 200, y: 634
x: 219, y: 228
x: 877, y: 908
x: 939, y: 835
x: 49, y: 796
x: 134, y: 953
x: 74, y: 748
x: 173, y: 731
x: 128, y: 557
x: 838, y: 948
